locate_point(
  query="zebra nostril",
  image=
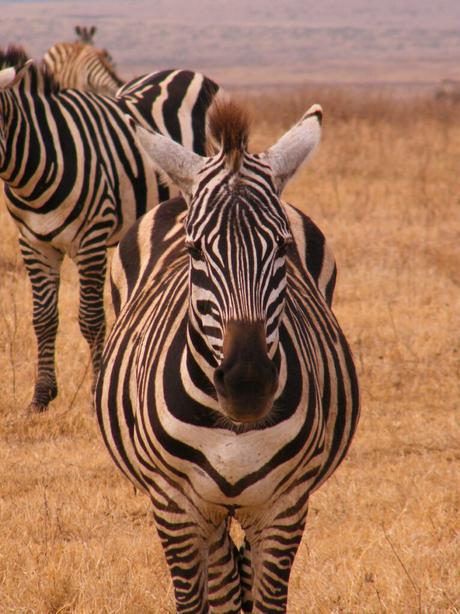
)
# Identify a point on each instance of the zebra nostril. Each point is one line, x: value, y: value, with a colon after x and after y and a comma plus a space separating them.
x: 274, y: 376
x: 219, y: 380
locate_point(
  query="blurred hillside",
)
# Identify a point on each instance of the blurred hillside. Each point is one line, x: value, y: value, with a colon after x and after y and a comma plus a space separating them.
x: 263, y: 42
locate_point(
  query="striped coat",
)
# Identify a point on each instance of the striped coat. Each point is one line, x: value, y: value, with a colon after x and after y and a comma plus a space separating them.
x: 82, y: 66
x: 227, y: 388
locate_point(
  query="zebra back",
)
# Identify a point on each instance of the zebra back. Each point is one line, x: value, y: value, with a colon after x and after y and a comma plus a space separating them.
x: 82, y: 66
x: 157, y: 101
x: 76, y: 178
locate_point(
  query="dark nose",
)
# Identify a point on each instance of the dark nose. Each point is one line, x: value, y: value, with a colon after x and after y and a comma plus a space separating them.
x: 246, y: 380
x: 241, y: 378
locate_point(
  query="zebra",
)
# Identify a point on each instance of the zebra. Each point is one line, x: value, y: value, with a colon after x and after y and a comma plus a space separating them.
x: 75, y: 179
x: 82, y: 66
x: 85, y: 34
x: 227, y: 389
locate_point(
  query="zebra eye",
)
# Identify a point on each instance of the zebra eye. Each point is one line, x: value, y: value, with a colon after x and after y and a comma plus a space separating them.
x: 194, y: 249
x: 283, y: 243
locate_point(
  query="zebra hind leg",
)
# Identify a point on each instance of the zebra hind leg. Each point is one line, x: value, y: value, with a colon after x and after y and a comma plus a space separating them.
x: 43, y: 267
x: 92, y: 264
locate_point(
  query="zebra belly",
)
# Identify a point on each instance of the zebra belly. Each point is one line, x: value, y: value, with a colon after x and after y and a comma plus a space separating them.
x: 53, y: 231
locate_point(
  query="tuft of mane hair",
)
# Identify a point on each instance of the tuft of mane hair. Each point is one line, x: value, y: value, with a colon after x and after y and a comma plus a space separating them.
x: 14, y: 57
x: 229, y: 126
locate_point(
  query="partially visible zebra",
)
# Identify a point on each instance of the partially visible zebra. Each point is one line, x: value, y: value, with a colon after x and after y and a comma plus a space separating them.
x: 227, y: 388
x: 82, y: 66
x: 75, y: 181
x: 171, y: 104
x: 85, y: 34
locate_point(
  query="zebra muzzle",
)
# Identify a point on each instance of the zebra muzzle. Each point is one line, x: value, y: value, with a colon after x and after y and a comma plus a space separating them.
x: 246, y: 380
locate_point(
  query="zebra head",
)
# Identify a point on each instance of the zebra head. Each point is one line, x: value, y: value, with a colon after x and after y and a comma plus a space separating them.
x: 85, y: 35
x: 237, y: 233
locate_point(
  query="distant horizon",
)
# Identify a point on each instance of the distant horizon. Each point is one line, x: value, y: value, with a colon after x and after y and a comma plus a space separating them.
x: 359, y: 42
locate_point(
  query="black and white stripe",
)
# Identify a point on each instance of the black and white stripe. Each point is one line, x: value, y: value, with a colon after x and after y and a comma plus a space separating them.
x: 172, y: 104
x: 75, y: 180
x: 227, y: 388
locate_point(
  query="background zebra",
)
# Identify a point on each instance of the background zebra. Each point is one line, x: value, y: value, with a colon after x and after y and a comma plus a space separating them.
x: 85, y: 34
x: 227, y: 388
x: 82, y: 66
x: 75, y: 181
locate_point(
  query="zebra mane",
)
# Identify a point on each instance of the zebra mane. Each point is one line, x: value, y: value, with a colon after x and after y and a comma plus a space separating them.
x: 229, y: 126
x: 13, y: 57
x: 16, y: 57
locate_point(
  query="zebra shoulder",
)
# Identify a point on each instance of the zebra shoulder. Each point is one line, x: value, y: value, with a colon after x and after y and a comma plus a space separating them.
x: 314, y: 251
x: 151, y: 237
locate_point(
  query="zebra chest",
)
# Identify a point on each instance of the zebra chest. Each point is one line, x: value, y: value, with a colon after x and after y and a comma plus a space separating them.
x: 181, y: 435
x: 224, y: 468
x: 221, y: 466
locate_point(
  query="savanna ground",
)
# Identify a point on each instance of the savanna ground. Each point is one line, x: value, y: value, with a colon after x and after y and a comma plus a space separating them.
x: 383, y: 533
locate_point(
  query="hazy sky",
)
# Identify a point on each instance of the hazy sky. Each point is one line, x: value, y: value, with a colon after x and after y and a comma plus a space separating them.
x: 261, y: 40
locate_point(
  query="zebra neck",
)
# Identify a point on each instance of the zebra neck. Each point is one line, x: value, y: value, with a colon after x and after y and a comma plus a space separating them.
x: 31, y: 158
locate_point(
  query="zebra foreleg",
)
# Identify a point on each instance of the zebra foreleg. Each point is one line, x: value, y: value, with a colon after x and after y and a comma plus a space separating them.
x: 267, y: 556
x: 201, y: 556
x: 43, y: 267
x: 224, y: 587
x: 92, y: 264
x: 185, y: 555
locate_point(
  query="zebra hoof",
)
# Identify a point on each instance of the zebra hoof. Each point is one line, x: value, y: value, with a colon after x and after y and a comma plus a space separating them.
x: 43, y: 395
x: 37, y: 408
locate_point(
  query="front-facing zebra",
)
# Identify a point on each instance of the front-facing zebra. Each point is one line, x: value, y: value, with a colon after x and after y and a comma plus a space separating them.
x: 75, y: 180
x: 227, y: 388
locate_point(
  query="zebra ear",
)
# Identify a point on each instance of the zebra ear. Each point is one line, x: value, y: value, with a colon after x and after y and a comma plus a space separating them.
x: 295, y: 147
x: 180, y: 164
x: 9, y: 77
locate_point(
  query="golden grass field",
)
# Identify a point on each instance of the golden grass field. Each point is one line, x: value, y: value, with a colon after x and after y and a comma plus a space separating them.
x: 383, y: 533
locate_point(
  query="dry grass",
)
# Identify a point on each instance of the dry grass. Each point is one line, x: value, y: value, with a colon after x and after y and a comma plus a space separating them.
x: 383, y: 532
